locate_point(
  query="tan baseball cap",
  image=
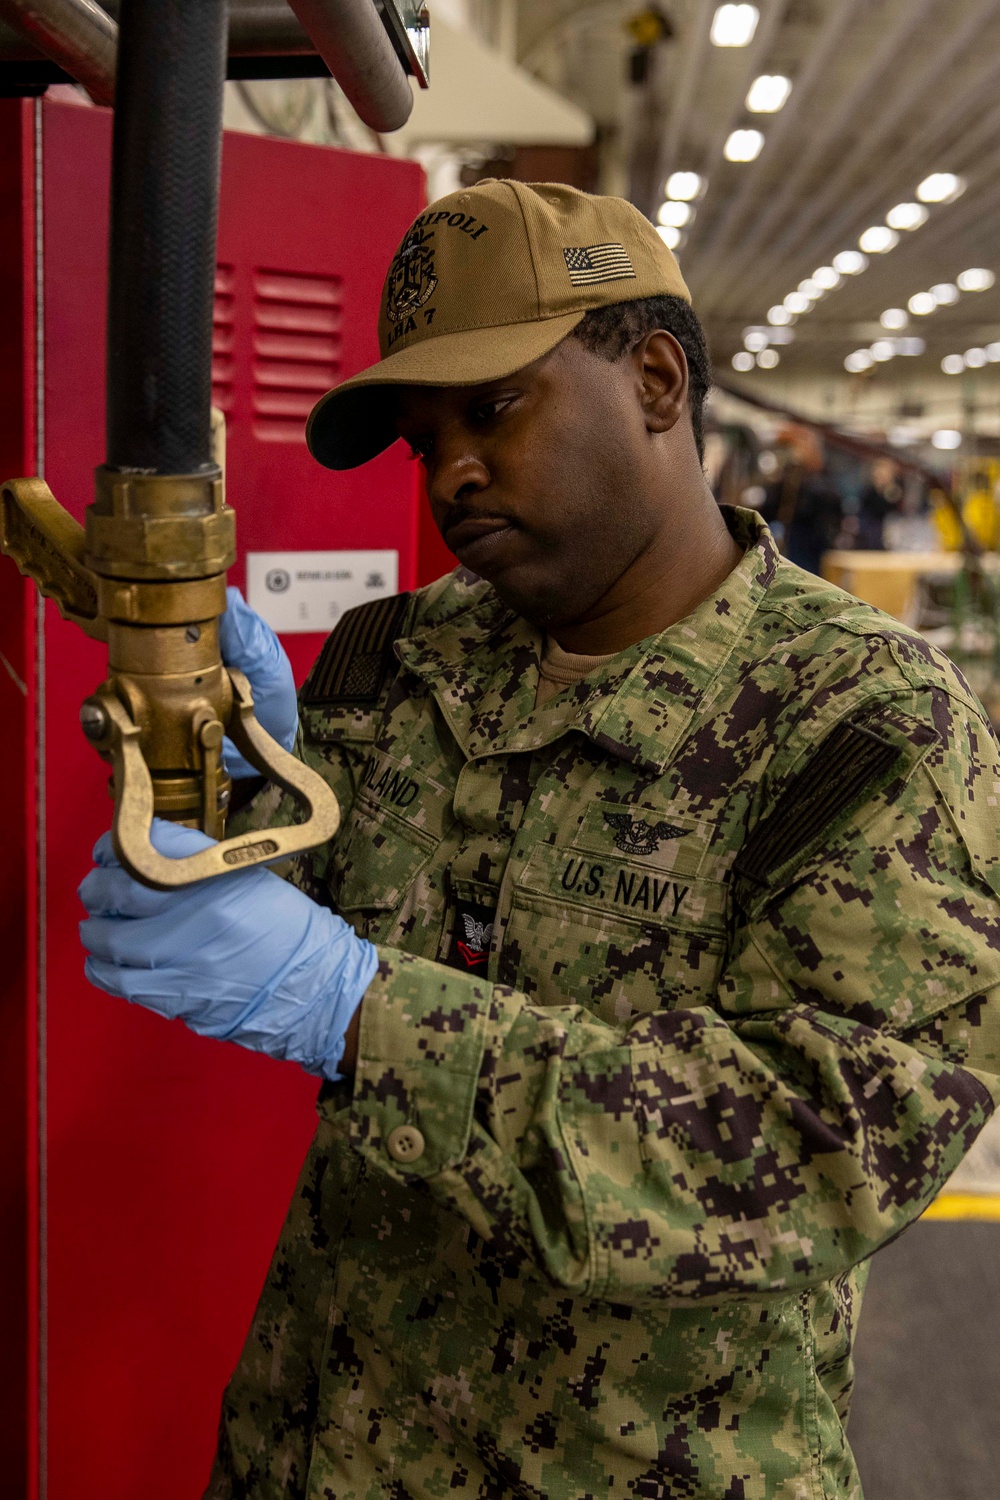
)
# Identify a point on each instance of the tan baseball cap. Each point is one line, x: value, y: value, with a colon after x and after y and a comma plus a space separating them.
x: 485, y: 281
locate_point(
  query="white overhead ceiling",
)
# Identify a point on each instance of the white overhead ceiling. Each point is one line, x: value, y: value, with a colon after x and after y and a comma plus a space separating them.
x: 884, y: 93
x: 477, y: 95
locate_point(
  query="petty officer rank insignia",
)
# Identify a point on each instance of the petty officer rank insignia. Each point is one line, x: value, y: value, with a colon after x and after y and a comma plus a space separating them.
x: 357, y: 659
x: 471, y: 937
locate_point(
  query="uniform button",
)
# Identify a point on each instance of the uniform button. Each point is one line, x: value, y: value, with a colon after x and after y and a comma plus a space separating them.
x: 405, y: 1144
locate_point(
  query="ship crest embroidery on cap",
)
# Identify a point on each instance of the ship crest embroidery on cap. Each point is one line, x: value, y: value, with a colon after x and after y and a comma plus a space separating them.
x: 588, y: 265
x: 411, y: 277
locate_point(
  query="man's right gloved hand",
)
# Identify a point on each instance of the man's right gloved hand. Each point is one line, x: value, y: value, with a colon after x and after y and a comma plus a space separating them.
x: 245, y: 957
x: 251, y: 646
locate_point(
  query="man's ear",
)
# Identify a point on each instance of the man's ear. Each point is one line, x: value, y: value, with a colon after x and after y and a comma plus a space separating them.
x: 663, y: 370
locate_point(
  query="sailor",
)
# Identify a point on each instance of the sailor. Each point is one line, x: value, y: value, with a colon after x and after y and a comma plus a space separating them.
x: 653, y: 975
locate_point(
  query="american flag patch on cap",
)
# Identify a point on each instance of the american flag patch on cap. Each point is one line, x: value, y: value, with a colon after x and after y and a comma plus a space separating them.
x: 590, y: 264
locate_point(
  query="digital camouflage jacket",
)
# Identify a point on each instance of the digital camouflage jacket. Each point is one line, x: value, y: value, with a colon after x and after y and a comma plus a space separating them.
x: 688, y: 1002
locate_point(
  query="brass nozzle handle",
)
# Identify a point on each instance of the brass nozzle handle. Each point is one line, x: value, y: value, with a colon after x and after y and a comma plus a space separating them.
x: 47, y: 544
x: 139, y: 592
x: 134, y: 801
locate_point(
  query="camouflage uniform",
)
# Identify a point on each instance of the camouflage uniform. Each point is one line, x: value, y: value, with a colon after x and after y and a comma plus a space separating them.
x: 593, y: 1218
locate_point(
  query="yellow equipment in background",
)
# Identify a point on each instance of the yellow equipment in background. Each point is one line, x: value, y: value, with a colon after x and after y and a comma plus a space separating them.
x: 977, y: 492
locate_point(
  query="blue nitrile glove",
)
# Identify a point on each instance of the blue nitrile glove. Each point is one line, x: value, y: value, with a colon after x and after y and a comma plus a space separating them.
x: 245, y: 957
x: 250, y: 645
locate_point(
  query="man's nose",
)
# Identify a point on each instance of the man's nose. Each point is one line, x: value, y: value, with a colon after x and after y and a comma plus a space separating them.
x: 456, y: 472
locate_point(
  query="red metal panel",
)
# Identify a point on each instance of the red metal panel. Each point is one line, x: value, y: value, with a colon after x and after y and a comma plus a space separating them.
x: 18, y: 929
x: 305, y: 236
x: 171, y: 1160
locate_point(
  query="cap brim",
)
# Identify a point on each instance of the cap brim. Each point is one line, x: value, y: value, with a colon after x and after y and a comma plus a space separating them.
x: 357, y: 420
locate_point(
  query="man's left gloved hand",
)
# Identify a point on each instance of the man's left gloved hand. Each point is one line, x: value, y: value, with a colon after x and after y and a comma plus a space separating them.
x: 248, y: 643
x: 245, y: 957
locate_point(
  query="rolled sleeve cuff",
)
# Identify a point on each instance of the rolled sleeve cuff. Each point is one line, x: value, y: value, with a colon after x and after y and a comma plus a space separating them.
x: 420, y: 1054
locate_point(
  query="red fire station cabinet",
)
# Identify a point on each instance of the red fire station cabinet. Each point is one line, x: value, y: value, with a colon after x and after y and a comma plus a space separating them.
x: 145, y: 1172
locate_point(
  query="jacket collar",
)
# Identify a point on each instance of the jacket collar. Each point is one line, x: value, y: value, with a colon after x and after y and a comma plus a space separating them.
x: 483, y: 668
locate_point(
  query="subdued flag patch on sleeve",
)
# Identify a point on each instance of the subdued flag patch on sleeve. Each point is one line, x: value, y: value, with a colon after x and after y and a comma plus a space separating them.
x: 590, y: 264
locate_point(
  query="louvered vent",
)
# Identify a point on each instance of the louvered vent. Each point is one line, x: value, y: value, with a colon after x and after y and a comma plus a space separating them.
x: 296, y: 345
x: 223, y: 333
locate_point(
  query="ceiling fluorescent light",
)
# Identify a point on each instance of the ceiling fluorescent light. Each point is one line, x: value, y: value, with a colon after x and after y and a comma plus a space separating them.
x: 907, y: 216
x: 734, y: 25
x: 976, y: 280
x: 743, y: 145
x: 941, y: 187
x: 878, y: 240
x: 683, y: 186
x: 768, y: 94
x: 797, y: 302
x: 675, y: 214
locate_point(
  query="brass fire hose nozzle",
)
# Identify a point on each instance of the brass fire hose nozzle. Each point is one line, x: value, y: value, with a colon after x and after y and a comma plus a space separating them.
x: 148, y: 575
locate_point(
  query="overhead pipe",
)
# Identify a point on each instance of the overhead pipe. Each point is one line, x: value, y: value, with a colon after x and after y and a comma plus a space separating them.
x: 76, y: 34
x: 266, y: 27
x: 351, y: 39
x: 14, y: 45
x: 256, y: 27
x: 349, y: 35
x: 852, y: 442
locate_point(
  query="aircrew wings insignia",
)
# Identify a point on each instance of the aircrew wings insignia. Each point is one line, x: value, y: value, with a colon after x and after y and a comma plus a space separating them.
x: 636, y: 836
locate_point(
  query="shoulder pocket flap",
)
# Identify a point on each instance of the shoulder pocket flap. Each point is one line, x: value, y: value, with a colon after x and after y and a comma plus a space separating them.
x: 854, y: 764
x: 336, y: 724
x: 355, y: 664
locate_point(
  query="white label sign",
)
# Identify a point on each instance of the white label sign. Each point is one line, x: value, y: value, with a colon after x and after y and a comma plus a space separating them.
x: 309, y: 591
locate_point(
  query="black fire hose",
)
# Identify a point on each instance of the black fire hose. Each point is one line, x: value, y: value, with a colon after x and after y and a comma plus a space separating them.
x: 164, y: 212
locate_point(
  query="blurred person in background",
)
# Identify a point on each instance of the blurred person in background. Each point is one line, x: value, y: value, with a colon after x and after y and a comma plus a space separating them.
x: 802, y: 505
x: 881, y: 498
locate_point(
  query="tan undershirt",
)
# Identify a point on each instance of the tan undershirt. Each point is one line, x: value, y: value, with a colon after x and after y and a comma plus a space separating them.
x: 560, y: 669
